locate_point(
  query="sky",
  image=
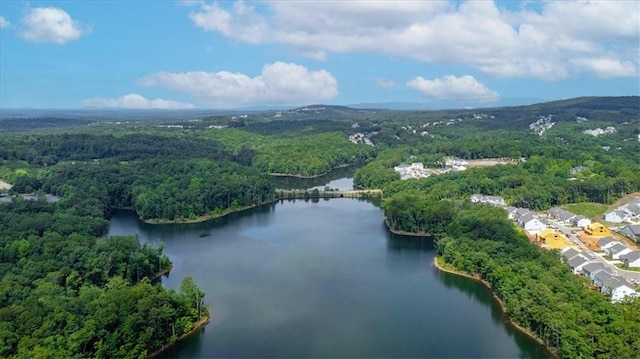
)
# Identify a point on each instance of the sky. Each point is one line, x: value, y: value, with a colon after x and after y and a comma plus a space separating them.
x: 242, y: 54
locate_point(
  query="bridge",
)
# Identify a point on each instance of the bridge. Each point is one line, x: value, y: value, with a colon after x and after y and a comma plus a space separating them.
x: 293, y: 194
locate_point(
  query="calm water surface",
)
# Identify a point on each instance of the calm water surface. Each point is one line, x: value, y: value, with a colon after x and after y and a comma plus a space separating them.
x: 326, y: 279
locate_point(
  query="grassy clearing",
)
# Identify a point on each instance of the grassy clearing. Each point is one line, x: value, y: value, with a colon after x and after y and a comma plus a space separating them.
x: 587, y: 209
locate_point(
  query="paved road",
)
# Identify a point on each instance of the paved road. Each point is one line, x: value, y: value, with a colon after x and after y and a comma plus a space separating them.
x: 595, y: 257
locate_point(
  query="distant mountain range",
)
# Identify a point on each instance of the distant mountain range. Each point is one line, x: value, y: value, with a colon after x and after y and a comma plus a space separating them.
x: 630, y: 103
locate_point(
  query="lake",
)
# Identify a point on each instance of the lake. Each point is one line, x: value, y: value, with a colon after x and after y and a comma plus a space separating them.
x: 325, y: 278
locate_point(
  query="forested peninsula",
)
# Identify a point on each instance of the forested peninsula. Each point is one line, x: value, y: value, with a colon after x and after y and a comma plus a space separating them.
x: 67, y: 290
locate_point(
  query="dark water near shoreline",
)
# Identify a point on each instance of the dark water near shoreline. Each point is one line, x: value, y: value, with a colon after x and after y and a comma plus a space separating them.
x: 326, y: 279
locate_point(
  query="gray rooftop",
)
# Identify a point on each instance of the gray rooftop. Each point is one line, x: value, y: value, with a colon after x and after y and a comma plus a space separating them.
x: 606, y: 240
x: 617, y: 248
x: 631, y: 256
x: 577, y: 261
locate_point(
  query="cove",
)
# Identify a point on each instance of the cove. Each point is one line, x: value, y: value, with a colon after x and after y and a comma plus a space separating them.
x: 326, y: 279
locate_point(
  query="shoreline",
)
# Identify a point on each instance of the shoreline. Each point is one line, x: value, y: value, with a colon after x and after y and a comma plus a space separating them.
x: 410, y: 234
x: 501, y: 304
x: 207, y: 217
x: 312, y: 176
x: 199, y: 325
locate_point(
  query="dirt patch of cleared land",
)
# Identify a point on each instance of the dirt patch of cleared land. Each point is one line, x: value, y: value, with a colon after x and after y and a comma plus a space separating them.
x: 486, y: 162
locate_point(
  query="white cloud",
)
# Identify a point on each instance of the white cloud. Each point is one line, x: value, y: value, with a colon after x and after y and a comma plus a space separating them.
x: 135, y: 101
x: 50, y: 24
x: 607, y: 67
x: 506, y: 43
x: 384, y: 82
x: 464, y: 88
x: 4, y: 22
x: 278, y: 83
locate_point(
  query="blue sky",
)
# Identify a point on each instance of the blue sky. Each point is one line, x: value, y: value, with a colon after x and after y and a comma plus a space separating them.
x: 228, y: 54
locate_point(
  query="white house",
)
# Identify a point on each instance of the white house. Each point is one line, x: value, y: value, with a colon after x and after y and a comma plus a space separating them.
x: 618, y: 288
x: 581, y: 221
x: 617, y: 216
x: 592, y: 269
x: 631, y: 259
x: 511, y: 212
x: 577, y: 262
x: 616, y: 250
x: 531, y: 223
x: 607, y: 242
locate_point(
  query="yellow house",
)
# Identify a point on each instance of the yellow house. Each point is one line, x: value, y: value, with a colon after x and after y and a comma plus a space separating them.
x: 597, y: 229
x: 552, y: 238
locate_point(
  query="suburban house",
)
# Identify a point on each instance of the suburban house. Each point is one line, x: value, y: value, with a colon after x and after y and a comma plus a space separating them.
x: 511, y: 212
x: 569, y: 253
x: 552, y: 238
x: 616, y: 250
x: 581, y: 221
x: 617, y: 216
x: 561, y: 215
x: 590, y: 270
x: 632, y: 231
x: 531, y: 223
x: 631, y: 259
x: 600, y: 277
x: 577, y: 262
x: 597, y: 229
x: 618, y: 288
x: 633, y: 209
x: 606, y: 242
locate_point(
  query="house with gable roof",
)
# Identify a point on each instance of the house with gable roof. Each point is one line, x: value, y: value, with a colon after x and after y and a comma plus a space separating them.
x: 631, y: 259
x: 577, y: 262
x: 617, y: 216
x: 591, y: 269
x: 597, y: 229
x: 616, y: 250
x: 632, y: 231
x: 606, y: 242
x: 531, y: 223
x: 552, y: 238
x: 561, y: 215
x: 618, y: 288
x: 580, y: 221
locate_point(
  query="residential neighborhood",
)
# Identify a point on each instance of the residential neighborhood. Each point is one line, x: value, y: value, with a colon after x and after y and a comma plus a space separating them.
x: 590, y: 249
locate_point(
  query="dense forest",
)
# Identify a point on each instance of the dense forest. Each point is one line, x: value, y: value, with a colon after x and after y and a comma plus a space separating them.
x: 67, y: 291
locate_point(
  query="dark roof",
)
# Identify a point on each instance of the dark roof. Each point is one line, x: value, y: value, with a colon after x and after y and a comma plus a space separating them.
x: 595, y: 267
x: 570, y: 253
x: 577, y: 261
x: 606, y: 240
x: 631, y: 256
x: 617, y: 248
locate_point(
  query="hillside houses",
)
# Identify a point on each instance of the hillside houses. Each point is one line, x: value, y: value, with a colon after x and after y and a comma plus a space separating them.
x: 541, y: 125
x: 600, y: 131
x: 532, y: 223
x: 631, y: 259
x: 601, y: 274
x: 561, y: 215
x: 618, y: 288
x: 632, y: 231
x: 629, y: 212
x: 617, y: 216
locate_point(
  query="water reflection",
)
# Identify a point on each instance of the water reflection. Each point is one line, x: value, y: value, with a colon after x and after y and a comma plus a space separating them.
x: 326, y: 279
x: 340, y: 178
